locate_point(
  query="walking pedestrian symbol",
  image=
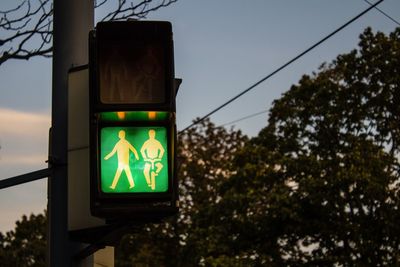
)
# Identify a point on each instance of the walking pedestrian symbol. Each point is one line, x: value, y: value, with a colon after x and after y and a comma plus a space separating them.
x: 122, y: 148
x: 123, y: 169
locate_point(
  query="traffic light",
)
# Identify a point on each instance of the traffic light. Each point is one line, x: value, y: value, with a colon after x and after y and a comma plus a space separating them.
x: 132, y: 120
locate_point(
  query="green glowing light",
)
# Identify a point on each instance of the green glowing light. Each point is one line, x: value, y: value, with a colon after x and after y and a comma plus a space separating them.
x: 133, y: 159
x: 134, y: 116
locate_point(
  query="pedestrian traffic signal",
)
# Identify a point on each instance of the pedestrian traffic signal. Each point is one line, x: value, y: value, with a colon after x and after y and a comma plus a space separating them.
x: 132, y: 120
x: 136, y: 152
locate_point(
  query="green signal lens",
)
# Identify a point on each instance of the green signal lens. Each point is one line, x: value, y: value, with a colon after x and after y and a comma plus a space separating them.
x: 133, y: 159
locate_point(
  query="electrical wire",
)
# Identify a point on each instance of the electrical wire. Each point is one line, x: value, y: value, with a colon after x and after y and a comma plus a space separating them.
x: 245, y: 118
x: 281, y: 67
x: 385, y: 14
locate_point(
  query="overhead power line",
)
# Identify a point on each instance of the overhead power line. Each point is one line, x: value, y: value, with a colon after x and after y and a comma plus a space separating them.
x: 245, y: 118
x: 383, y: 13
x: 281, y: 67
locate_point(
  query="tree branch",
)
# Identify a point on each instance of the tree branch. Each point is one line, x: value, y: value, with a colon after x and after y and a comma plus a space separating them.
x: 27, y: 30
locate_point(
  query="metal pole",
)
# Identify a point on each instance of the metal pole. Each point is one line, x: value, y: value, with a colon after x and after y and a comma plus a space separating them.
x: 72, y: 21
x: 25, y: 178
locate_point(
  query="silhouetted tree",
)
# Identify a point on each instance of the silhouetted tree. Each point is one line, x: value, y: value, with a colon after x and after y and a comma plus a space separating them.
x: 205, y: 155
x: 320, y: 184
x: 26, y: 30
x: 26, y: 245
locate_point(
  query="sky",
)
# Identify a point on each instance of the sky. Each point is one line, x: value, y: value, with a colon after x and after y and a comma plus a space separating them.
x: 221, y: 48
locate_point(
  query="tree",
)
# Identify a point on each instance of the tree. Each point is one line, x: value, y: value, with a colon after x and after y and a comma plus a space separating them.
x: 27, y: 30
x: 205, y: 155
x: 26, y: 245
x: 320, y: 184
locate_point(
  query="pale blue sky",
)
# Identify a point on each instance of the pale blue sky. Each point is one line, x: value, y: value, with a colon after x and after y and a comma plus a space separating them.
x: 221, y: 47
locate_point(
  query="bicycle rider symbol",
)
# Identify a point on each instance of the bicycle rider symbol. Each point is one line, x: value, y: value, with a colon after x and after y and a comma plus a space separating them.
x: 152, y: 152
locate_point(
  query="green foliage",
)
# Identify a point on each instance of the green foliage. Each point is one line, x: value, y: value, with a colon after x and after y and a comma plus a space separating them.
x: 207, y: 155
x: 205, y: 162
x: 26, y: 245
x: 151, y: 245
x: 320, y: 184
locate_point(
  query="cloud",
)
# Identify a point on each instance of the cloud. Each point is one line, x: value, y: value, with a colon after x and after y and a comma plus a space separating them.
x: 24, y: 148
x: 22, y: 199
x: 31, y: 159
x: 23, y: 137
x: 17, y: 123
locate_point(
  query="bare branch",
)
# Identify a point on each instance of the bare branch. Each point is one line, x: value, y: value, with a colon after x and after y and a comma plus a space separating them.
x: 127, y: 9
x: 26, y: 31
x: 99, y: 3
x: 13, y: 9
